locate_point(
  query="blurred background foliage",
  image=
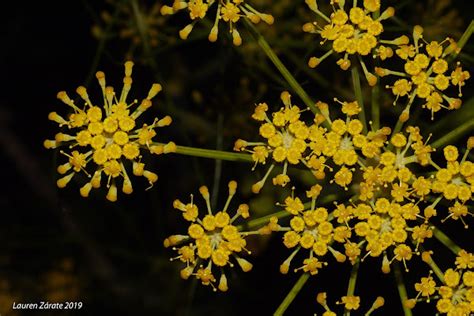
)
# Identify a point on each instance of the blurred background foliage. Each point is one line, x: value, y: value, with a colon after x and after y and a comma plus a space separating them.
x: 57, y: 246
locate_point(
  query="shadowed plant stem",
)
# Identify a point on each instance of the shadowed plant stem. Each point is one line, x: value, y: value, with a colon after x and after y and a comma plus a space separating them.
x: 402, y: 291
x: 358, y: 94
x: 454, y: 134
x: 292, y: 294
x: 465, y: 36
x: 445, y: 240
x: 375, y: 107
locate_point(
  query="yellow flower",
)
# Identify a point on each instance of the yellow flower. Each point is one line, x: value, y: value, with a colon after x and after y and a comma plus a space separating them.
x: 107, y: 137
x: 351, y: 302
x: 352, y: 31
x: 455, y: 182
x: 230, y: 12
x: 426, y: 74
x: 426, y: 286
x: 211, y: 241
x: 309, y: 230
x: 456, y: 296
x: 285, y: 140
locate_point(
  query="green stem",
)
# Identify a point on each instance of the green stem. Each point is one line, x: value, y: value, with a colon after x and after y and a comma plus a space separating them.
x: 352, y: 283
x: 292, y: 294
x: 445, y: 240
x: 211, y: 153
x: 283, y: 70
x: 465, y: 36
x: 319, y: 79
x: 436, y: 270
x: 265, y: 219
x: 454, y: 134
x: 402, y: 291
x: 358, y: 94
x: 375, y: 107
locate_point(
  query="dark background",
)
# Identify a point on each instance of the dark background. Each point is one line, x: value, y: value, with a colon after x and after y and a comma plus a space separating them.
x: 58, y: 246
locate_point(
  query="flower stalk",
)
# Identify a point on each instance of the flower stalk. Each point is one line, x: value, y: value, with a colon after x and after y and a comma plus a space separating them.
x: 402, y: 291
x: 352, y: 283
x: 445, y: 240
x: 292, y: 294
x: 358, y: 93
x: 211, y: 153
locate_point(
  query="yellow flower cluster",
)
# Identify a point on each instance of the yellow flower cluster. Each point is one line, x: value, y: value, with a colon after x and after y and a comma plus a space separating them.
x: 285, y: 136
x: 352, y: 31
x: 350, y: 302
x: 311, y: 230
x: 108, y: 137
x: 455, y: 182
x: 345, y: 139
x: 388, y: 212
x: 455, y: 295
x: 230, y: 11
x: 211, y: 241
x: 289, y: 141
x: 426, y: 73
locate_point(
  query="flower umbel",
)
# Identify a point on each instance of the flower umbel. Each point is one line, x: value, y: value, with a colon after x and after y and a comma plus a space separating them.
x: 230, y: 11
x: 211, y: 241
x: 107, y: 137
x: 285, y: 140
x: 426, y: 73
x: 455, y: 295
x: 352, y: 31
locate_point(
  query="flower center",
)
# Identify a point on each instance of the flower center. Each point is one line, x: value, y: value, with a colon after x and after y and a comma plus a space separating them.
x: 287, y: 140
x: 216, y: 239
x: 457, y: 181
x: 346, y: 144
x: 459, y: 295
x: 386, y: 226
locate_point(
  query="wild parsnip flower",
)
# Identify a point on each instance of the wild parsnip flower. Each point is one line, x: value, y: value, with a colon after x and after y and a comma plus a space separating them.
x: 310, y: 230
x: 353, y: 30
x: 387, y: 214
x: 230, y: 11
x: 455, y: 294
x: 285, y: 142
x: 211, y: 241
x: 426, y: 73
x: 403, y: 150
x: 346, y: 144
x: 107, y: 137
x: 455, y: 182
x: 350, y: 302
